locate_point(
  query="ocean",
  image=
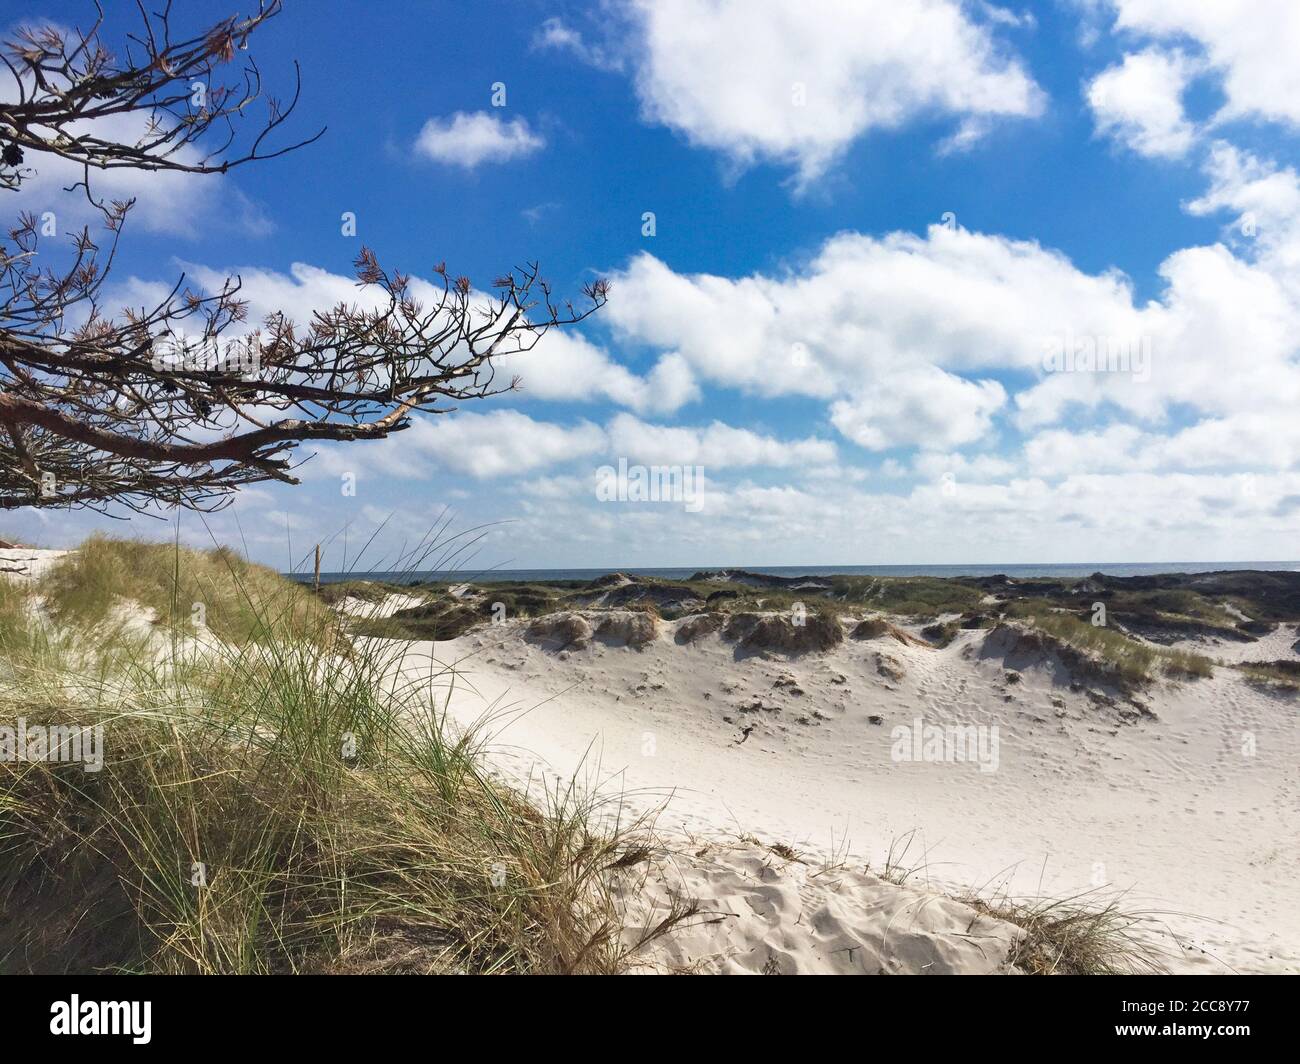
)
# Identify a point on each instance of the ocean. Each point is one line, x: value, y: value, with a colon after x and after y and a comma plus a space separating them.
x: 1073, y: 569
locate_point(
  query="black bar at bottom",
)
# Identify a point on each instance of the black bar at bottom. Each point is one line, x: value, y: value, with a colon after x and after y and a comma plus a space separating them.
x: 376, y: 1013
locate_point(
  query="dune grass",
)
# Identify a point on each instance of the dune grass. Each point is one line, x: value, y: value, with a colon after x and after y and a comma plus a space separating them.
x: 238, y: 601
x: 13, y: 613
x: 1134, y: 662
x: 273, y: 805
x: 1083, y: 935
x: 1280, y: 676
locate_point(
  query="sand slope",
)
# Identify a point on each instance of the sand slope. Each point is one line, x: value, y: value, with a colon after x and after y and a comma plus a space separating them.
x: 1156, y: 797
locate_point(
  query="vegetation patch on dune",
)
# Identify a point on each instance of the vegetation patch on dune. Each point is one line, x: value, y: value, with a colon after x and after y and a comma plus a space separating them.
x: 1076, y: 936
x: 371, y: 591
x: 1110, y: 653
x: 237, y: 600
x: 281, y: 808
x: 879, y: 628
x: 784, y: 634
x: 444, y: 615
x: 1279, y: 675
x: 1144, y: 615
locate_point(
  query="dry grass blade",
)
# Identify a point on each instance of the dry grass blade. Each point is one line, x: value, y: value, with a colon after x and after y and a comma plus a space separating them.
x: 273, y: 803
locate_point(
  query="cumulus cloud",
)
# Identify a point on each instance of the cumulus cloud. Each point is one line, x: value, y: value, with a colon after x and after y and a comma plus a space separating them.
x: 502, y: 442
x: 1251, y: 44
x: 565, y: 365
x: 1263, y: 197
x: 898, y: 333
x: 493, y: 444
x: 508, y: 443
x: 716, y: 446
x: 1253, y: 440
x: 926, y: 341
x: 928, y: 408
x: 1139, y: 103
x: 935, y: 465
x: 812, y: 78
x: 865, y: 308
x: 468, y: 140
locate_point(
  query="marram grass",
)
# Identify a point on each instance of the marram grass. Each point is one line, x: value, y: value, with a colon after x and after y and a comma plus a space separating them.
x: 275, y: 804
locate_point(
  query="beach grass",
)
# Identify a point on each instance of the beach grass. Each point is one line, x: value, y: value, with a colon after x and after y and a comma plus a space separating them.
x: 1089, y: 934
x: 1133, y: 661
x: 185, y: 590
x: 274, y: 801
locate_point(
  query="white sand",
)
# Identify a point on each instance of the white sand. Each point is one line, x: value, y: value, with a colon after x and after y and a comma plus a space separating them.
x: 354, y: 606
x: 1085, y: 797
x: 1277, y: 645
x: 760, y: 913
x: 27, y: 563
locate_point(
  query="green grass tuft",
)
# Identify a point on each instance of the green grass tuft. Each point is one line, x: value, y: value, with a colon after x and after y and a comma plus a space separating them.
x: 239, y: 601
x: 1133, y: 661
x: 276, y: 803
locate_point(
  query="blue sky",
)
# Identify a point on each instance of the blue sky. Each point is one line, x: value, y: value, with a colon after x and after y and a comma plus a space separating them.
x: 871, y: 220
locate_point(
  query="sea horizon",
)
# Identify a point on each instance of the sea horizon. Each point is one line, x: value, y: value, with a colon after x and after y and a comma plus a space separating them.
x: 1023, y: 571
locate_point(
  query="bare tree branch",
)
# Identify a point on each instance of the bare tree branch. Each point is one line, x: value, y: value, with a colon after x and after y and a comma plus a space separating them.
x: 184, y: 401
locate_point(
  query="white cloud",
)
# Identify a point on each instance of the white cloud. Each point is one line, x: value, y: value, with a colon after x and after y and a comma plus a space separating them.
x: 797, y: 83
x: 1061, y: 452
x: 508, y: 443
x: 928, y: 408
x: 885, y: 328
x: 497, y: 443
x: 1139, y: 103
x: 934, y: 465
x: 557, y: 35
x: 565, y: 365
x: 1264, y: 199
x: 716, y: 446
x: 866, y: 308
x: 1004, y: 16
x: 902, y: 335
x: 1252, y: 44
x: 1261, y: 440
x: 468, y: 140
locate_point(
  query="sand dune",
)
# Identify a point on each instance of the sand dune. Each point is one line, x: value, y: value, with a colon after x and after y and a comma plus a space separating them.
x: 1185, y: 796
